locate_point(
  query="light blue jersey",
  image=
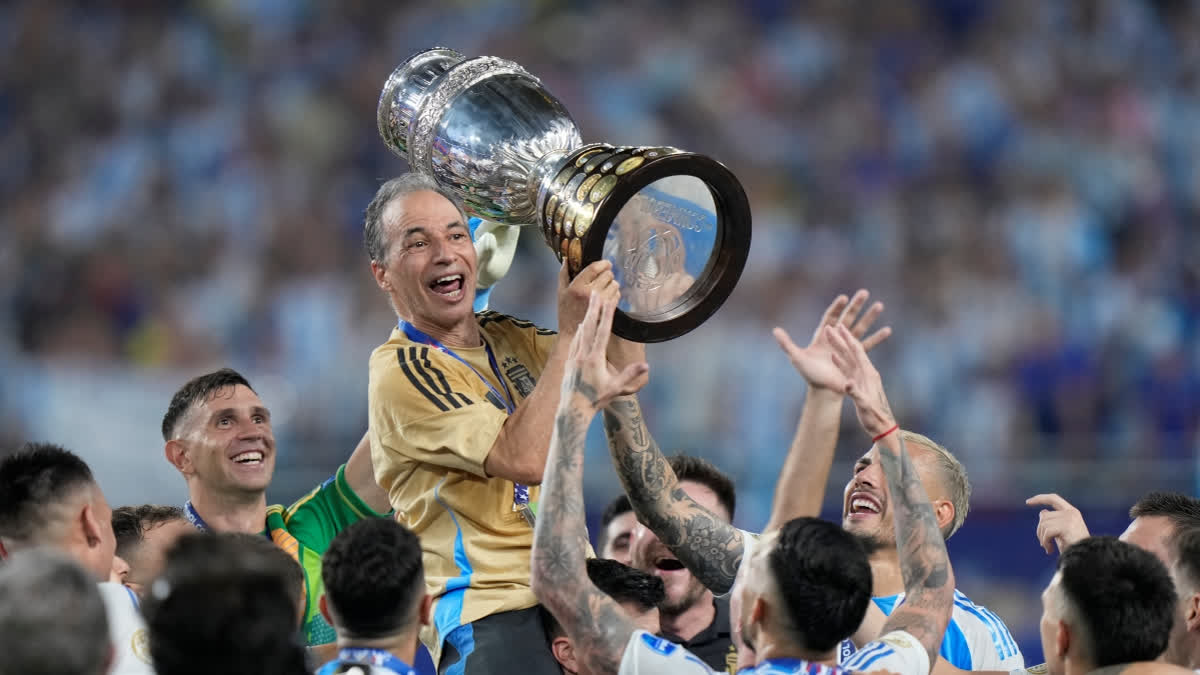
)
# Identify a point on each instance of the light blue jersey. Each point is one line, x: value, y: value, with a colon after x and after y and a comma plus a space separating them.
x: 976, y: 639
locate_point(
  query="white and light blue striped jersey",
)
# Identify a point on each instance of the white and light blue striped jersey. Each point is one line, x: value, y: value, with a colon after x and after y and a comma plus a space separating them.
x: 648, y: 654
x: 896, y: 652
x: 976, y: 639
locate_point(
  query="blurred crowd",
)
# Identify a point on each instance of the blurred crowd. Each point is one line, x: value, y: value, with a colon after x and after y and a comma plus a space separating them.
x: 183, y: 186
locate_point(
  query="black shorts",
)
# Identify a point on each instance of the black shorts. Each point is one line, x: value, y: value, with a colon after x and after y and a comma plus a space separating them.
x: 509, y: 642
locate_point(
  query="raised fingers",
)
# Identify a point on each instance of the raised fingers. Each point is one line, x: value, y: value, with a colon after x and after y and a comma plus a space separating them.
x: 856, y: 304
x: 833, y: 312
x: 876, y: 338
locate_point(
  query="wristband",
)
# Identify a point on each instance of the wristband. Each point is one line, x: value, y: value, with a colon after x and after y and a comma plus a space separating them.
x: 881, y: 436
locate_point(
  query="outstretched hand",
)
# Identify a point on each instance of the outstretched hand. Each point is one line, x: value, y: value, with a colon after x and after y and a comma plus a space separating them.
x: 813, y: 362
x: 860, y: 381
x: 588, y: 373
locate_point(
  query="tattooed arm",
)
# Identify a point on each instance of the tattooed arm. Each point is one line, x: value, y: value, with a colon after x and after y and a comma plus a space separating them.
x: 598, y: 628
x: 704, y: 542
x: 924, y: 564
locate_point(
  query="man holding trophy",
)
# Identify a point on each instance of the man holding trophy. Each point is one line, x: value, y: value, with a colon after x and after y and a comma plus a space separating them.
x: 462, y: 403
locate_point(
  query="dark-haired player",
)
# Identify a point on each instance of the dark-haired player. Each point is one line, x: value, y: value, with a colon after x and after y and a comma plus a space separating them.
x: 639, y: 595
x: 803, y: 588
x: 218, y: 435
x: 144, y: 533
x: 617, y: 523
x: 375, y: 598
x: 1167, y: 525
x: 49, y: 499
x: 1109, y: 604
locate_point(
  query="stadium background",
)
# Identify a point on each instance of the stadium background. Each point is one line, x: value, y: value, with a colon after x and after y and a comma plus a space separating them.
x: 182, y: 183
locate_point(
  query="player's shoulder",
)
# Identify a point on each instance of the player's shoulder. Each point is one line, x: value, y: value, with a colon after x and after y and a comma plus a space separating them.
x: 649, y: 654
x: 967, y: 612
x: 496, y: 323
x: 979, y: 622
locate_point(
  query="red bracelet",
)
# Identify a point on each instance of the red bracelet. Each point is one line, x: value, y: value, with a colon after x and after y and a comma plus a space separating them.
x: 881, y: 436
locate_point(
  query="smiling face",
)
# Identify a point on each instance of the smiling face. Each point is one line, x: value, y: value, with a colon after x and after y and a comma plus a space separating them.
x: 429, y: 267
x: 648, y: 554
x: 866, y: 511
x: 227, y: 443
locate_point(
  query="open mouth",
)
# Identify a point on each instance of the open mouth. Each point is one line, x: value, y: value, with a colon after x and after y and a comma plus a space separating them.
x: 863, y: 504
x: 249, y: 457
x: 668, y: 565
x: 450, y: 285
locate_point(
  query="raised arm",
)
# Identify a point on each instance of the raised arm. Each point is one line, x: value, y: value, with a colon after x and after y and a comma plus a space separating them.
x: 924, y: 564
x: 360, y: 476
x: 707, y: 545
x: 519, y: 451
x: 800, y: 490
x: 598, y: 627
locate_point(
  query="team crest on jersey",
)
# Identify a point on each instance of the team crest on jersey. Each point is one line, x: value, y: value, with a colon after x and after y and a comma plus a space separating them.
x: 519, y: 375
x: 731, y: 660
x: 139, y: 644
x: 1039, y: 669
x: 660, y: 645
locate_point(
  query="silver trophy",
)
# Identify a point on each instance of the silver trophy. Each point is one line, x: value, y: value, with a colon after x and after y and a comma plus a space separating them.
x: 675, y: 225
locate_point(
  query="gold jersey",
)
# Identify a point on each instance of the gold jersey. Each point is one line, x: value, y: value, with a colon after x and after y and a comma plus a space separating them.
x: 433, y: 420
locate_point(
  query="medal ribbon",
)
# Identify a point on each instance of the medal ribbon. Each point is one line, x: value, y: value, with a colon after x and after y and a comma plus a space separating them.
x: 520, y: 491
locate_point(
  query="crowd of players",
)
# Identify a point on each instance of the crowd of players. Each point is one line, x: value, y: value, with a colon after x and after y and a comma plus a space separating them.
x: 454, y: 539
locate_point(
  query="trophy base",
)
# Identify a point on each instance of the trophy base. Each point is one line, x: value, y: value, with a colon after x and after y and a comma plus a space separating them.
x: 675, y: 225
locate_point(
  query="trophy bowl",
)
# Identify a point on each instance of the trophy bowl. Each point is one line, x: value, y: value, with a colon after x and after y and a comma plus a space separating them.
x: 675, y: 224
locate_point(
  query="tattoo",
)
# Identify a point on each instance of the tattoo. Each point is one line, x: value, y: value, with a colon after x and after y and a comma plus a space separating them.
x: 598, y: 626
x: 928, y: 579
x: 707, y: 545
x: 583, y: 388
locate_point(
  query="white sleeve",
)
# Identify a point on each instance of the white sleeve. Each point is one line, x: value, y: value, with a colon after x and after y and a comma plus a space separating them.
x: 127, y: 630
x: 647, y: 654
x: 897, y: 652
x: 992, y: 646
x: 749, y: 541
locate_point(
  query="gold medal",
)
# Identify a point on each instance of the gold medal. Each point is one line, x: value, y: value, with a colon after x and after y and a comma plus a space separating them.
x: 595, y: 161
x: 602, y: 188
x: 583, y: 219
x: 629, y: 165
x: 586, y: 186
x: 575, y: 255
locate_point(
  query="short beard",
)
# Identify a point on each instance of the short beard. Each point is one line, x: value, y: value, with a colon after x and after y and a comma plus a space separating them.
x: 685, y: 603
x: 870, y: 543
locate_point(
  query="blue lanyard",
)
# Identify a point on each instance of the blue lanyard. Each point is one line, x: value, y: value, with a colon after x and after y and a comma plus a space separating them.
x: 197, y: 522
x: 416, y: 335
x: 520, y: 491
x: 371, y: 657
x: 194, y: 518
